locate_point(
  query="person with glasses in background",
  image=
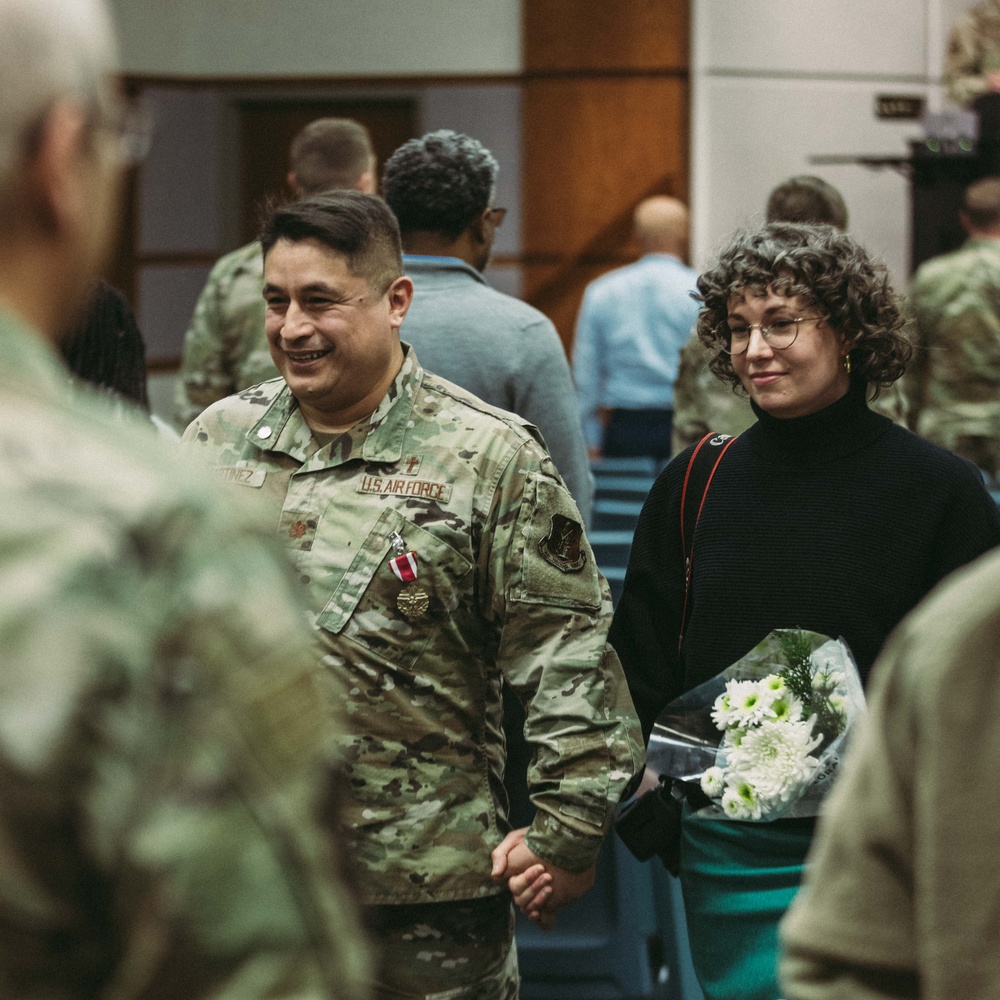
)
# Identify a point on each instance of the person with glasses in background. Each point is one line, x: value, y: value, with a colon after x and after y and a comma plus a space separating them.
x: 441, y: 188
x: 822, y: 515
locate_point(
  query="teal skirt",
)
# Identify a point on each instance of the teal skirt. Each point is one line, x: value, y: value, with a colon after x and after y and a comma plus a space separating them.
x: 738, y: 879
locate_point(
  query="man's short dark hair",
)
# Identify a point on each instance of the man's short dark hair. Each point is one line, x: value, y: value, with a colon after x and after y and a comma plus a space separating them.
x: 981, y: 203
x: 808, y: 200
x: 440, y: 183
x: 359, y: 226
x: 331, y: 153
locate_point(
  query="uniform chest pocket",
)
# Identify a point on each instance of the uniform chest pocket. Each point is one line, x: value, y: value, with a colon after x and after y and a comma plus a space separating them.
x: 395, y: 619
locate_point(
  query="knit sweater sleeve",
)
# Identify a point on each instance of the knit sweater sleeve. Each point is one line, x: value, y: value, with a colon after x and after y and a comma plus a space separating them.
x: 647, y: 621
x: 970, y: 524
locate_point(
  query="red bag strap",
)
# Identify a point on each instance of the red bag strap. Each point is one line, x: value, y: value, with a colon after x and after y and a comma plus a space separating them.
x: 698, y: 476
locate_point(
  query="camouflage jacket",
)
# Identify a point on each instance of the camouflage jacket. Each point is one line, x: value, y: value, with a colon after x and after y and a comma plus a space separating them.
x: 973, y: 51
x: 955, y: 380
x: 161, y: 738
x: 225, y: 349
x: 512, y: 595
x: 704, y: 403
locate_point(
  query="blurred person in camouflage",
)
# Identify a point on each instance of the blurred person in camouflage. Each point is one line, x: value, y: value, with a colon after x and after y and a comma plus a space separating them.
x: 225, y: 349
x: 441, y: 188
x: 954, y: 381
x: 972, y: 65
x: 703, y: 403
x: 444, y: 556
x: 163, y: 746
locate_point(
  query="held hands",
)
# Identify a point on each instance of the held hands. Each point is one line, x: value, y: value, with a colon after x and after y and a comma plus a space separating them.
x: 539, y: 888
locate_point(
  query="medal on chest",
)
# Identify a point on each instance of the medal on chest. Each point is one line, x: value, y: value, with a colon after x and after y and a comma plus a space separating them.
x: 412, y: 601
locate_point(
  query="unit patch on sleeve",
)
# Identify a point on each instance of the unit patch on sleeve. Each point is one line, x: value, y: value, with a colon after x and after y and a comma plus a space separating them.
x: 561, y: 546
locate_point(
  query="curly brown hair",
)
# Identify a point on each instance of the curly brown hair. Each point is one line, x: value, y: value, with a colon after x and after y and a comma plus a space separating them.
x: 828, y: 269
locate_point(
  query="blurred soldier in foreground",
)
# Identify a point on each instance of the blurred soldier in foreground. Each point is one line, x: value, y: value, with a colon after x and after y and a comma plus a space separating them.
x: 901, y: 887
x: 954, y: 382
x: 161, y: 735
x: 444, y: 556
x: 632, y: 324
x: 225, y: 349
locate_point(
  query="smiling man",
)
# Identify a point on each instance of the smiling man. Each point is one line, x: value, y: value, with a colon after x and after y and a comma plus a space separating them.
x: 444, y: 557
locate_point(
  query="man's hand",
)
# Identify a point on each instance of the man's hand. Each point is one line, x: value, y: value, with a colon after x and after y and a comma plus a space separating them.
x: 993, y: 80
x: 539, y: 888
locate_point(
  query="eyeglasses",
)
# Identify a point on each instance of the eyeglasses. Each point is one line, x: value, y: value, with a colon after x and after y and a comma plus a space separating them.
x: 131, y: 125
x: 734, y: 338
x: 497, y: 215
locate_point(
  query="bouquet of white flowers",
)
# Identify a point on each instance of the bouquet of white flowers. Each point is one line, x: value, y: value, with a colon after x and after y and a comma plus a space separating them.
x: 764, y: 738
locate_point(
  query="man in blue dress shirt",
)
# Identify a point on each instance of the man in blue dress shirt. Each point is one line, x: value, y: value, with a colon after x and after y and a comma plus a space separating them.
x: 632, y: 324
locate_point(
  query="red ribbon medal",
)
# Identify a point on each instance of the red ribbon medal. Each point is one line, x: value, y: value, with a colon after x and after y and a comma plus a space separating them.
x: 413, y: 601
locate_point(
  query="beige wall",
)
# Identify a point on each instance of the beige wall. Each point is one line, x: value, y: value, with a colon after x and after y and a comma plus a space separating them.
x: 319, y: 37
x: 777, y: 82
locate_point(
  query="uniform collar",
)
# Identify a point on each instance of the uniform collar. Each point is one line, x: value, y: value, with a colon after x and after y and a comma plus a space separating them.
x: 421, y: 264
x: 379, y: 438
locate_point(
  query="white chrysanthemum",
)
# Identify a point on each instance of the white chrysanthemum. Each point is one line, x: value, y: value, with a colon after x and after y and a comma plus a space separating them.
x: 775, y: 759
x: 774, y: 685
x: 740, y: 800
x: 786, y: 709
x: 722, y: 710
x: 733, y: 738
x: 713, y: 782
x: 747, y: 706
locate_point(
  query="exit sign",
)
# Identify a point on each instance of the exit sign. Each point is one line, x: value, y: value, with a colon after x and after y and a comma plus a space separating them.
x: 898, y: 106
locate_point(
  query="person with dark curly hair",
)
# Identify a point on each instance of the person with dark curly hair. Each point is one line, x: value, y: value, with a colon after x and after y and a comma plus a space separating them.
x: 442, y: 188
x: 823, y: 515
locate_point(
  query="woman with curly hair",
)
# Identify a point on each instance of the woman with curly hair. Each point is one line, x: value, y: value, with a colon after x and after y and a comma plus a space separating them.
x: 823, y: 515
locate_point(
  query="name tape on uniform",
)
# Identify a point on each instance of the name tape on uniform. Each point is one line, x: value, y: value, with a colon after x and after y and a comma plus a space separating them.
x: 241, y: 476
x: 421, y: 488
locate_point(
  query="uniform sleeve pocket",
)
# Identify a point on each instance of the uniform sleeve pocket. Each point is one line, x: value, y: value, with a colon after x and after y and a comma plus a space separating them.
x: 557, y: 564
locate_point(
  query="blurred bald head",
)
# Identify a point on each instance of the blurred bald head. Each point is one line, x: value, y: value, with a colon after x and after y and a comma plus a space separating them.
x: 661, y: 226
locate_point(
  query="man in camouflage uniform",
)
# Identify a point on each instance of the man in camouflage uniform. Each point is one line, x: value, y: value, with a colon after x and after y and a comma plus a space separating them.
x: 444, y: 556
x: 972, y: 66
x: 225, y: 349
x: 954, y: 382
x: 163, y: 748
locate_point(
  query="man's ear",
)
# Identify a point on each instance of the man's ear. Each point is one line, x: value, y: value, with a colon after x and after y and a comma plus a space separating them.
x: 479, y: 228
x: 400, y: 297
x: 54, y: 182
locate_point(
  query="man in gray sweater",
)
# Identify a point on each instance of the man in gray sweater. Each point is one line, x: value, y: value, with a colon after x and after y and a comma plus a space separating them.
x: 441, y: 189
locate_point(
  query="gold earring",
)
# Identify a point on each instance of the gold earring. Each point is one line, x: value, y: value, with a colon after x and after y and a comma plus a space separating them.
x: 847, y: 363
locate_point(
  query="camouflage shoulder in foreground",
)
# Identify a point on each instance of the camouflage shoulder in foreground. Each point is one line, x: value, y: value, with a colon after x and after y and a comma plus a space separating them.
x: 505, y: 591
x: 225, y: 349
x: 163, y: 749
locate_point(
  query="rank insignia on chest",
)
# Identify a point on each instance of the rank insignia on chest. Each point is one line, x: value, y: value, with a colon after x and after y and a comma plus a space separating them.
x: 412, y: 601
x: 562, y: 546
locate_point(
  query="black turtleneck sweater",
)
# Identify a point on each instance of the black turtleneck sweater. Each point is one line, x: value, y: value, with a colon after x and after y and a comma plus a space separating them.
x: 838, y: 522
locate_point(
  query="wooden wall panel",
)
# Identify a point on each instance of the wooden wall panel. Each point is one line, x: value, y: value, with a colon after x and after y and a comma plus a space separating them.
x: 605, y: 34
x: 593, y: 148
x: 605, y: 124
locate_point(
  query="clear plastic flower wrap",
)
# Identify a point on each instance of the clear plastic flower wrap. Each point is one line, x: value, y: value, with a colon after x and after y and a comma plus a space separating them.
x: 764, y: 738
